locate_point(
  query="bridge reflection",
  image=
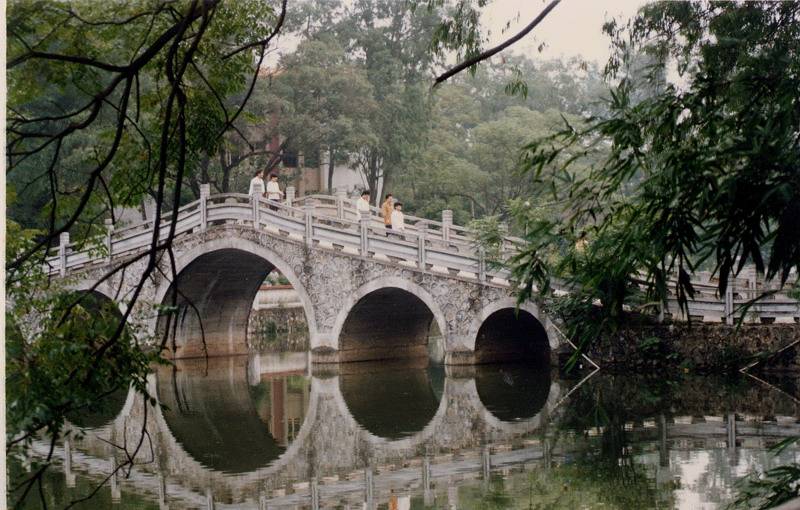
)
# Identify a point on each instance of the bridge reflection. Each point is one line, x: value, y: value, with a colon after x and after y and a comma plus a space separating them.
x: 263, y: 430
x: 223, y: 422
x: 393, y: 400
x: 513, y: 392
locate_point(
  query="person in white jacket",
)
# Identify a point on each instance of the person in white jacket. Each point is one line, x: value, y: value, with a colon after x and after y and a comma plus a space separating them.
x: 398, y: 219
x: 274, y: 193
x: 257, y: 184
x: 362, y: 204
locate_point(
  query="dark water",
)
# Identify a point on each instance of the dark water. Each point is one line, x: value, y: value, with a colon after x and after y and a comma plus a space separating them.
x: 264, y: 432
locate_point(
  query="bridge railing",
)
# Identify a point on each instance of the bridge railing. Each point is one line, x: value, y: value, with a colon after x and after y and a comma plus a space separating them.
x: 425, y: 244
x: 341, y: 206
x: 707, y: 305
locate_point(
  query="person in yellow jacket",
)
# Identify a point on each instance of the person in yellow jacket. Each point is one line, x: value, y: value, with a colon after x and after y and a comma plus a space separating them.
x: 386, y: 211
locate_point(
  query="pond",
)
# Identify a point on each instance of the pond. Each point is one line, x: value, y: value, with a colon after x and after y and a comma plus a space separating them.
x: 268, y: 431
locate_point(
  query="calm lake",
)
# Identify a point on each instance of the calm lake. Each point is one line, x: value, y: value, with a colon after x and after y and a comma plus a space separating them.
x: 267, y: 431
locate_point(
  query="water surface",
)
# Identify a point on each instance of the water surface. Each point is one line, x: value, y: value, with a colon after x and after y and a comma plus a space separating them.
x: 265, y: 431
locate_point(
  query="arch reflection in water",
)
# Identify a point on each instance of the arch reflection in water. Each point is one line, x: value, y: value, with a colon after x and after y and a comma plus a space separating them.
x: 392, y: 400
x: 106, y: 410
x: 513, y: 392
x: 225, y: 423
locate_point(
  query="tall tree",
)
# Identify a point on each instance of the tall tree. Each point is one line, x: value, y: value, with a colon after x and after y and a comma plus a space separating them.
x: 704, y: 171
x: 326, y: 101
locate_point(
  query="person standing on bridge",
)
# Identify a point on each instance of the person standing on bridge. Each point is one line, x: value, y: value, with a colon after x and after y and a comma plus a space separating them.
x: 274, y: 193
x: 362, y: 204
x: 386, y: 212
x: 398, y: 219
x: 257, y: 184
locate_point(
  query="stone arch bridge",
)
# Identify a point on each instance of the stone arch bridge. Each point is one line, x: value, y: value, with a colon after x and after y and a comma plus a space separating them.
x: 367, y: 294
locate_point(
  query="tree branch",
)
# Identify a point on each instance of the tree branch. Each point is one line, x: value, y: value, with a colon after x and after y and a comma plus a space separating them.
x: 497, y: 49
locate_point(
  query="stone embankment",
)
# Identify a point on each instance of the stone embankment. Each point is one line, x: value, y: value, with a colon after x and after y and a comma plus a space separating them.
x: 278, y: 330
x: 702, y: 347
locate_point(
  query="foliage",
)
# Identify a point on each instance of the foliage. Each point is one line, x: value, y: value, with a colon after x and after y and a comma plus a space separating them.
x: 326, y: 101
x: 469, y: 162
x: 770, y: 489
x: 66, y: 353
x: 705, y: 171
x: 107, y: 104
x: 489, y: 234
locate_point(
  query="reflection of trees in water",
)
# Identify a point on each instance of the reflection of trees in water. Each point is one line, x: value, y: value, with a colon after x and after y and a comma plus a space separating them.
x: 562, y: 487
x: 217, y: 419
x: 56, y: 494
x: 644, y: 397
x: 609, y: 402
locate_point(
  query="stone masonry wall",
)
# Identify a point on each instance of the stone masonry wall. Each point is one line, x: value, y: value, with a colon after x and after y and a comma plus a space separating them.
x: 704, y: 347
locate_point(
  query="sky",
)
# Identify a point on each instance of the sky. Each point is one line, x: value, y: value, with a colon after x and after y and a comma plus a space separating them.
x: 572, y: 29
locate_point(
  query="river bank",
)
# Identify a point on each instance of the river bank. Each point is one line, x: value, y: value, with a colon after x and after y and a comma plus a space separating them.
x: 701, y: 347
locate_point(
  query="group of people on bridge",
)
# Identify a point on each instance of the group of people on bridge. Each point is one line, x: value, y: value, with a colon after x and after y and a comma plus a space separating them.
x: 391, y: 209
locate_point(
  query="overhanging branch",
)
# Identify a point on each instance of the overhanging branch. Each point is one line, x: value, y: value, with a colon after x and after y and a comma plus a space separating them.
x: 497, y: 49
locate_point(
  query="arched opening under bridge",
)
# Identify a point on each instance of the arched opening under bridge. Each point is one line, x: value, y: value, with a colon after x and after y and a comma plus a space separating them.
x: 214, y: 296
x: 225, y: 422
x: 388, y: 323
x: 510, y: 335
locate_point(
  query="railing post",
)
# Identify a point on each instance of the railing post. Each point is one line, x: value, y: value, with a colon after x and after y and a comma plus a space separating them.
x: 341, y: 197
x: 481, y: 263
x: 109, y: 231
x: 290, y: 194
x: 308, y: 209
x: 255, y: 208
x: 426, y: 480
x: 205, y: 191
x: 422, y: 230
x: 729, y: 302
x: 364, y: 223
x: 486, y: 463
x: 63, y: 243
x: 116, y: 493
x: 447, y: 222
x: 730, y: 427
x: 369, y: 488
x: 503, y: 245
x: 68, y: 473
x: 314, y: 489
x: 209, y: 499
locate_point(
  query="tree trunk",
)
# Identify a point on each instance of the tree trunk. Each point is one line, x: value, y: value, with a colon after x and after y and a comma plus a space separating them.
x: 373, y: 177
x: 330, y: 168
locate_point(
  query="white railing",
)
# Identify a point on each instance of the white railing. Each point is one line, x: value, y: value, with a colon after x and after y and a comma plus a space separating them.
x: 430, y: 246
x: 708, y: 306
x: 341, y: 206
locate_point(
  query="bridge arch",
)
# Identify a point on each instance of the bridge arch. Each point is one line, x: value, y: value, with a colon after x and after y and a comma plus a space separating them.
x: 219, y: 268
x: 104, y: 289
x: 525, y: 330
x: 355, y: 330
